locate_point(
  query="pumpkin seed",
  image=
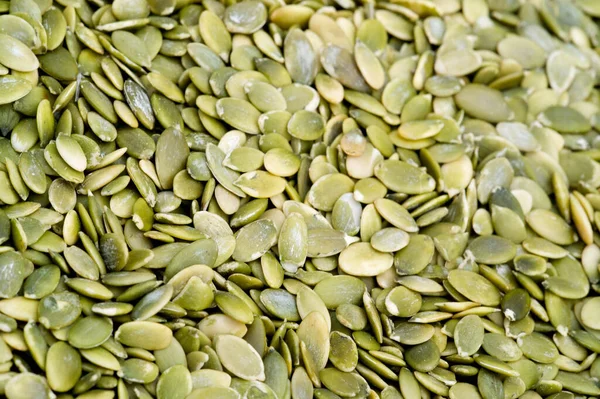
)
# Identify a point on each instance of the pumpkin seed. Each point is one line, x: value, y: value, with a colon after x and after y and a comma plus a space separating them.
x: 231, y: 350
x: 424, y: 171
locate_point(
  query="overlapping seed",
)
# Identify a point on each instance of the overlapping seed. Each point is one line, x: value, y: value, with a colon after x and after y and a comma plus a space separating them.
x: 254, y: 199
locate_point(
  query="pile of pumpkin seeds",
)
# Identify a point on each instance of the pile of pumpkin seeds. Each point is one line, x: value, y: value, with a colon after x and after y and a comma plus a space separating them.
x: 333, y: 199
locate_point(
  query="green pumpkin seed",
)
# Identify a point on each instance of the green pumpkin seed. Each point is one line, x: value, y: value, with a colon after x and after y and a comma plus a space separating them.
x: 175, y: 382
x: 90, y: 332
x: 416, y: 181
x: 360, y: 259
x: 144, y: 334
x: 564, y: 120
x: 475, y: 287
x: 492, y: 249
x: 59, y: 310
x: 152, y: 303
x: 501, y: 347
x: 337, y: 161
x: 341, y: 383
x: 468, y: 335
x: 27, y: 385
x: 496, y: 110
x: 314, y: 331
x: 423, y: 357
x: 17, y: 56
x: 554, y: 228
x: 539, y: 348
x: 254, y: 239
x: 61, y: 355
x: 231, y: 350
x: 13, y: 88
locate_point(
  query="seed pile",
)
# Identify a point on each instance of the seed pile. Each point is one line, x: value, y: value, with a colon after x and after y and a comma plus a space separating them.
x: 328, y: 199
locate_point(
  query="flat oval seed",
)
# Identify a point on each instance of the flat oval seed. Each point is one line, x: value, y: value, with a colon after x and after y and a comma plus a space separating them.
x: 239, y: 357
x: 468, y: 335
x: 132, y: 47
x: 366, y: 142
x: 27, y: 385
x: 152, y: 303
x: 101, y: 127
x: 239, y: 113
x: 42, y: 282
x: 564, y: 120
x: 404, y: 178
x: 246, y: 18
x: 59, y: 310
x: 82, y: 263
x: 537, y: 347
x: 138, y: 370
x: 17, y: 55
x: 396, y: 214
x: 144, y: 334
x: 306, y: 125
x: 339, y: 63
x: 90, y: 332
x: 389, y: 240
x: 171, y: 156
x: 475, y: 287
x: 326, y: 190
x: 413, y: 258
x: 501, y: 347
x: 71, y: 152
x: 492, y: 249
x: 360, y: 259
x: 280, y: 303
x: 550, y: 226
x: 63, y: 367
x: 260, y: 184
x: 495, y: 110
x: 402, y: 302
x: 175, y: 382
x: 293, y: 242
x: 526, y: 52
x: 516, y: 304
x: 254, y: 239
x: 463, y: 390
x: 13, y: 88
x: 423, y: 357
